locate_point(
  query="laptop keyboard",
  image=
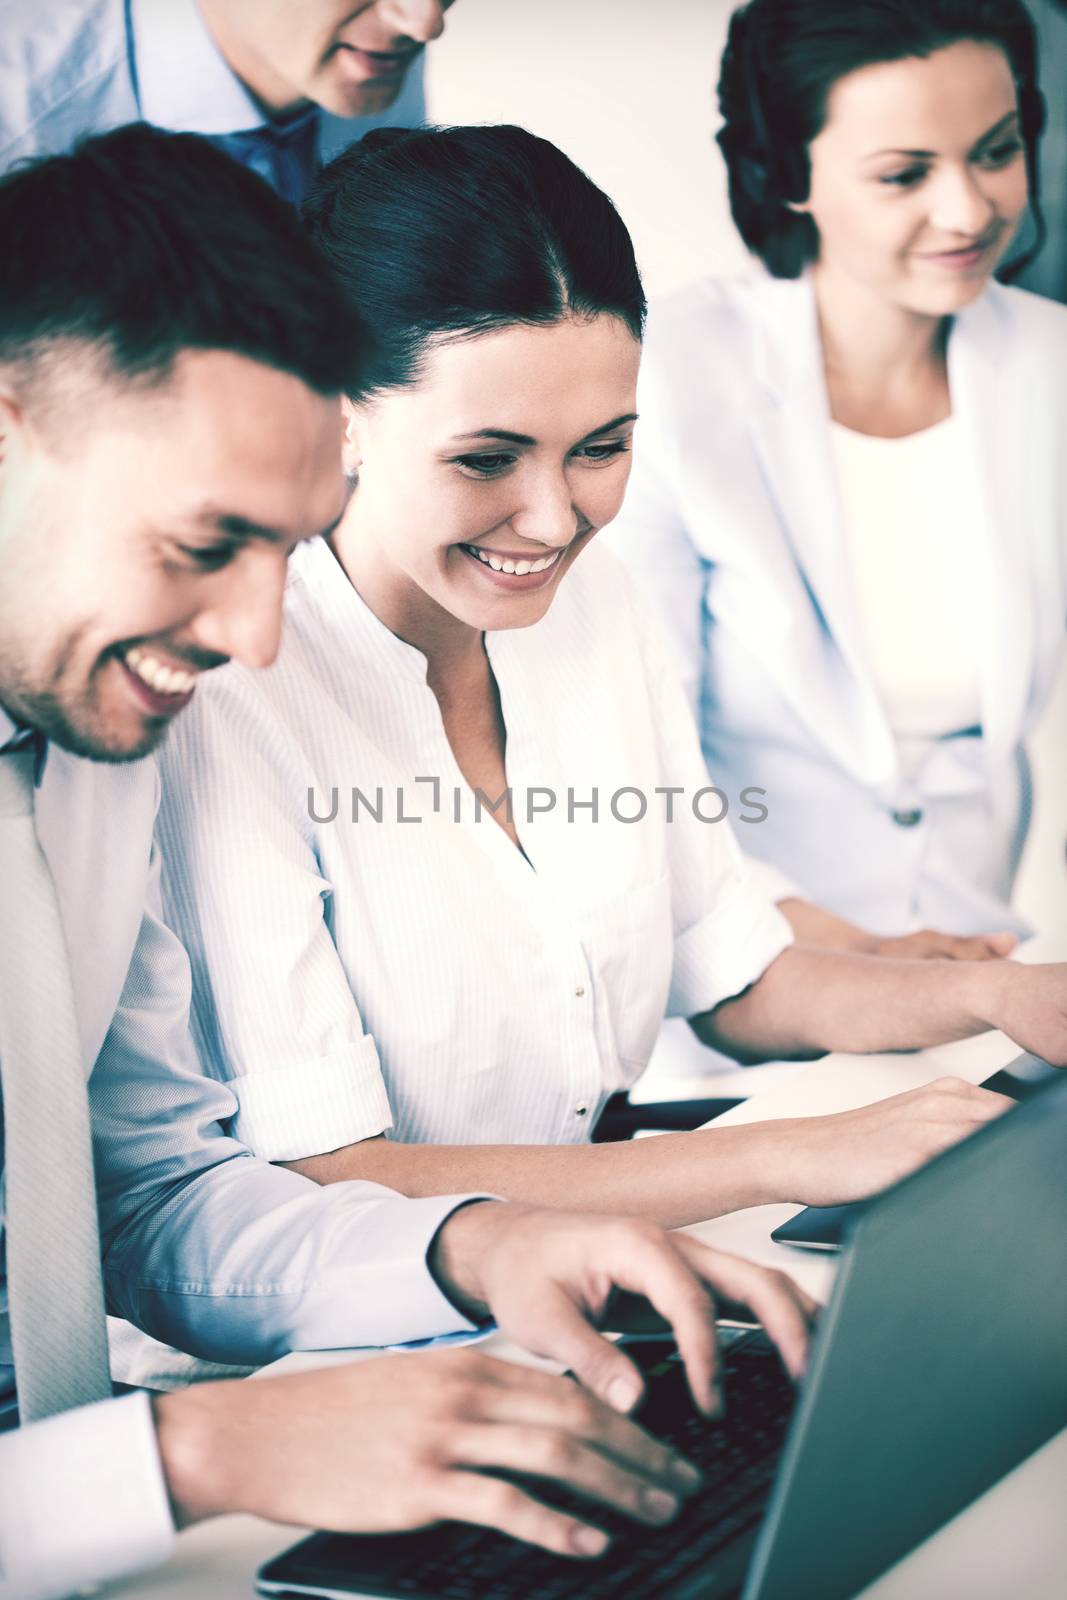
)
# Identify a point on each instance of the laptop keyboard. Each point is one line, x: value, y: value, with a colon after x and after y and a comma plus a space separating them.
x: 738, y: 1457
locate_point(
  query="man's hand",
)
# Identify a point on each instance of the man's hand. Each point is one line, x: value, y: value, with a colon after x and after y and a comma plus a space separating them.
x: 402, y: 1441
x: 548, y: 1277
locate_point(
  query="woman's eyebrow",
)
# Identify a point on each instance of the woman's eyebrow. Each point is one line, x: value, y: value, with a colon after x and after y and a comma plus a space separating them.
x: 494, y: 433
x: 608, y: 427
x: 997, y: 128
x: 926, y: 155
x: 524, y: 438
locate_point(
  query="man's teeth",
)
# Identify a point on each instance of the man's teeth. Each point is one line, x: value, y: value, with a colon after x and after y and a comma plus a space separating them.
x: 519, y: 568
x: 164, y: 680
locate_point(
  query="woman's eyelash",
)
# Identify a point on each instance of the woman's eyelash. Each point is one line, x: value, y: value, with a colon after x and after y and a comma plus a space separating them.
x: 208, y: 559
x: 602, y: 452
x: 904, y: 180
x: 999, y: 155
x: 485, y: 464
x: 489, y: 465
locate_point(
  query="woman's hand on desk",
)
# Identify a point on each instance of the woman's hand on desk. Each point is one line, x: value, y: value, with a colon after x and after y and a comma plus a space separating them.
x: 1029, y: 1004
x: 929, y: 945
x: 816, y: 926
x: 851, y: 1155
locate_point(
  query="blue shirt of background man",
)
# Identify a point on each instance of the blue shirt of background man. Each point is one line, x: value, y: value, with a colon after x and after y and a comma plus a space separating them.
x: 72, y: 68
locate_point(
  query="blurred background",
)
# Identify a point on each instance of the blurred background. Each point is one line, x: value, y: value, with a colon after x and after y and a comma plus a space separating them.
x: 626, y: 88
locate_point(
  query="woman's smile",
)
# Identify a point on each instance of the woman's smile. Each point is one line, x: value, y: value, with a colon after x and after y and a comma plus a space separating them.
x: 514, y: 571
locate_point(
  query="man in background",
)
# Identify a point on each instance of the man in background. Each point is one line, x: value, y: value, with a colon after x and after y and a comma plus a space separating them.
x: 280, y: 85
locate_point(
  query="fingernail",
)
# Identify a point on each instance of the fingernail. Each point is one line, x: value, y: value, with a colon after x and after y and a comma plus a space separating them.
x: 716, y: 1404
x: 589, y: 1541
x: 623, y: 1394
x: 658, y: 1504
x: 688, y: 1476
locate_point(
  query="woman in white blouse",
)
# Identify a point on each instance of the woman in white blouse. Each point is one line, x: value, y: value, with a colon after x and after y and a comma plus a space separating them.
x: 377, y: 950
x: 850, y: 497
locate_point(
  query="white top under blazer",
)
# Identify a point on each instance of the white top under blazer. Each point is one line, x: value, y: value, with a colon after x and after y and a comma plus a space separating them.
x: 734, y: 520
x: 369, y: 953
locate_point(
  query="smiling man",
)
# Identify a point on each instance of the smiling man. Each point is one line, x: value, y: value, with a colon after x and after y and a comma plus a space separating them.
x: 277, y: 84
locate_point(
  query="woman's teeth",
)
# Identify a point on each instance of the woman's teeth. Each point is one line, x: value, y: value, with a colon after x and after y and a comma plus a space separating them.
x: 164, y: 680
x: 519, y: 568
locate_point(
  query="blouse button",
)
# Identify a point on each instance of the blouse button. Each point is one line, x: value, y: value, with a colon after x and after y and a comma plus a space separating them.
x: 907, y: 819
x: 580, y: 991
x: 580, y: 1111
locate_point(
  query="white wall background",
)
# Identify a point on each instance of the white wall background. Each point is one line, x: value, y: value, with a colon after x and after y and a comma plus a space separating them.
x: 626, y: 88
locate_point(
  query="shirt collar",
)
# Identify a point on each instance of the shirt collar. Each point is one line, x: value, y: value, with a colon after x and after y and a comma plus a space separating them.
x: 184, y: 83
x: 314, y: 567
x: 13, y: 734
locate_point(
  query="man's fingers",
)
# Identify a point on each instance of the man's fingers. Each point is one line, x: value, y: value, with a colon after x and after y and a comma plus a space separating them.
x: 492, y: 1503
x: 542, y: 1400
x: 563, y: 1332
x: 660, y: 1271
x: 557, y: 1455
x: 785, y: 1311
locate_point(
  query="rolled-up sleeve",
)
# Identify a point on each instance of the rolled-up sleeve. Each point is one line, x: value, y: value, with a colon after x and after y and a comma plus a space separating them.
x: 82, y: 1500
x: 214, y: 1250
x: 244, y: 889
x: 727, y: 929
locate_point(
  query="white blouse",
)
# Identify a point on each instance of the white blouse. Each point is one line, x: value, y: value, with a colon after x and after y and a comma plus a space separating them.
x: 909, y: 531
x: 370, y: 954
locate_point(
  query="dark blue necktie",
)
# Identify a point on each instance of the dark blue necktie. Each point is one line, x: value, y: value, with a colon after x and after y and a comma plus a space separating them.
x: 284, y: 153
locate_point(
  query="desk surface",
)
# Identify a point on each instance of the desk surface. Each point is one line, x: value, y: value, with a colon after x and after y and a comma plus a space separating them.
x: 1011, y: 1541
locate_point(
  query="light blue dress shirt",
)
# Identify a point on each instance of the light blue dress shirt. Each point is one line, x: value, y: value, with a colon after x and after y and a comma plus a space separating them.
x: 204, y: 1245
x: 72, y: 68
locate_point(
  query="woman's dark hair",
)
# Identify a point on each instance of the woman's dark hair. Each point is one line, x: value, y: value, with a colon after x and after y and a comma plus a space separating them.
x: 783, y: 57
x: 436, y: 232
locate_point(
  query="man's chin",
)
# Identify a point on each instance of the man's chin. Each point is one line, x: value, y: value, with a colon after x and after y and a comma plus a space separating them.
x: 367, y: 99
x: 110, y: 745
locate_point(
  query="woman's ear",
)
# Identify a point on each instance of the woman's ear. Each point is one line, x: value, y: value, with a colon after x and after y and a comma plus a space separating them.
x: 351, y: 450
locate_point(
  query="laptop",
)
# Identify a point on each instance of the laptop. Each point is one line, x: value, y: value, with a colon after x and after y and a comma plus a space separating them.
x: 938, y: 1365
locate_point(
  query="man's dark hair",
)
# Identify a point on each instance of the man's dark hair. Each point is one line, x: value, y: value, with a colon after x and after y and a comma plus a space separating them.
x: 783, y: 57
x: 142, y: 244
x: 453, y: 232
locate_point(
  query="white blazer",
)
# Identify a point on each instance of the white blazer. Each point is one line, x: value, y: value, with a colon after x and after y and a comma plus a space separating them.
x: 732, y: 519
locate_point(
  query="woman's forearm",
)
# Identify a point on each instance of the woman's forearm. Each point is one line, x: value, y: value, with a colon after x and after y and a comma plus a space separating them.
x: 680, y: 1178
x: 810, y: 1001
x: 672, y: 1179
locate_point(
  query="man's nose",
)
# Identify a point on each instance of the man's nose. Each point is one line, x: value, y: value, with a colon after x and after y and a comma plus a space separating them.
x: 422, y: 20
x: 243, y: 619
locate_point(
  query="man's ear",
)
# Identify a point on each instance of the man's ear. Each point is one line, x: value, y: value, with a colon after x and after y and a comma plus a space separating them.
x: 12, y: 422
x: 352, y: 448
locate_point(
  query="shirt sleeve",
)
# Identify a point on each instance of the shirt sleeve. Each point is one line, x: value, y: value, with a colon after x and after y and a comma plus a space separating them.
x: 727, y: 930
x: 245, y: 891
x: 207, y: 1247
x: 82, y: 1500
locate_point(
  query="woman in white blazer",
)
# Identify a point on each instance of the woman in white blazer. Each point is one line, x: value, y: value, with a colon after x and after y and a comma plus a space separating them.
x: 849, y: 490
